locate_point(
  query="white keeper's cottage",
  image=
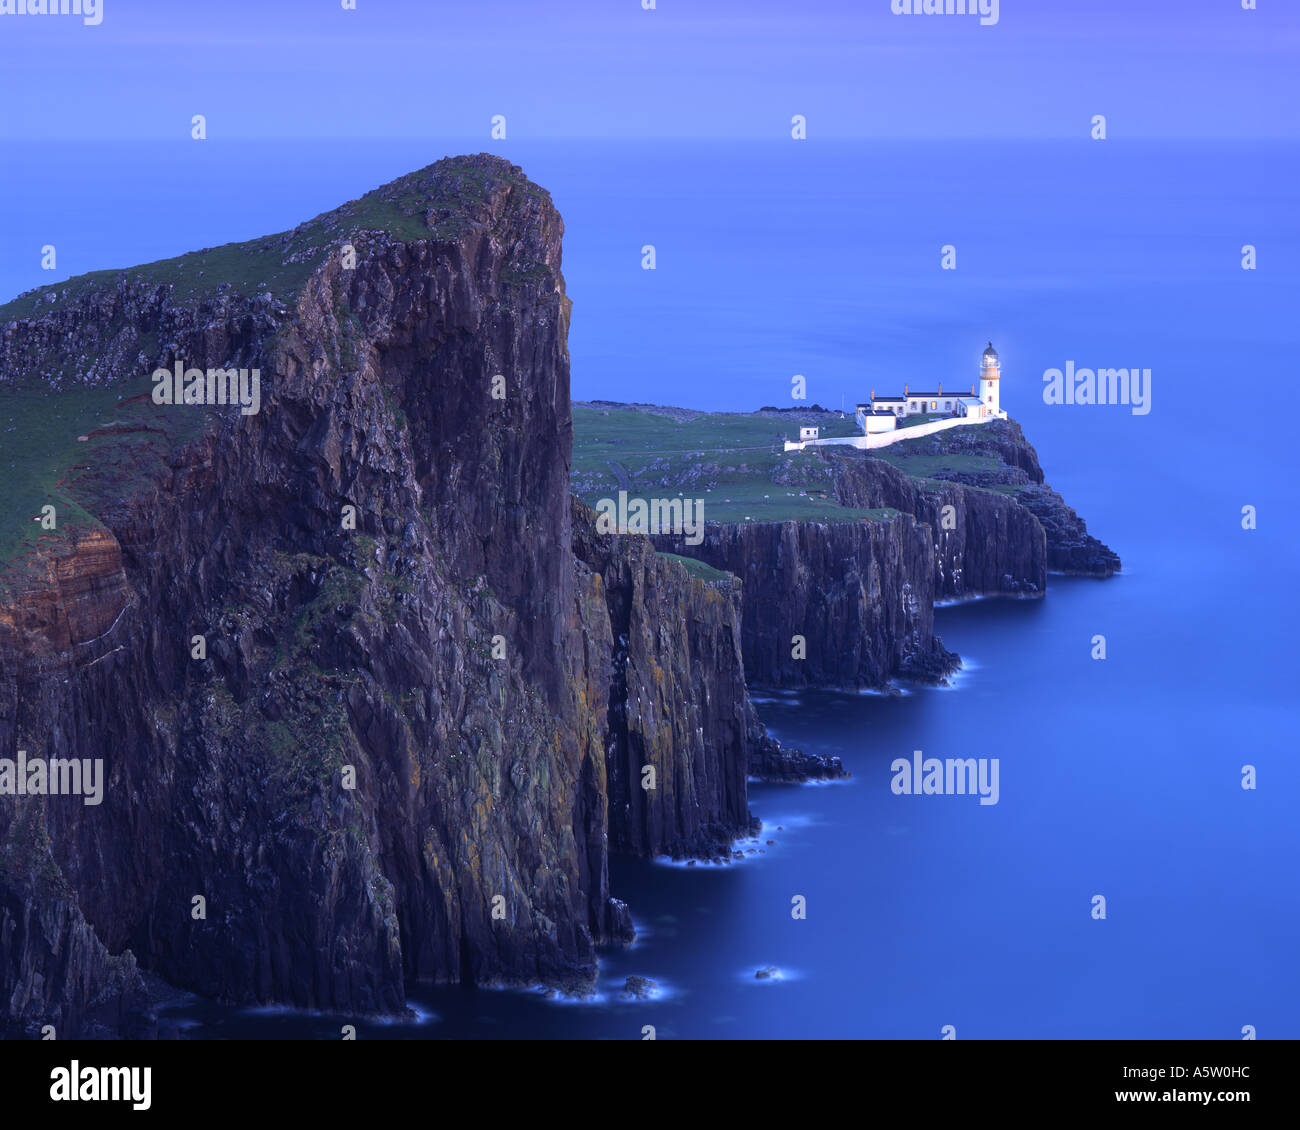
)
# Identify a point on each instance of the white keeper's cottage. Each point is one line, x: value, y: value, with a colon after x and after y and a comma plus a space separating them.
x: 883, y: 412
x: 878, y: 420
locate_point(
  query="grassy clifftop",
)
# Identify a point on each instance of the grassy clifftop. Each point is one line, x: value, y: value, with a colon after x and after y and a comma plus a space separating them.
x: 735, y: 461
x: 76, y: 421
x: 432, y: 203
x: 732, y: 460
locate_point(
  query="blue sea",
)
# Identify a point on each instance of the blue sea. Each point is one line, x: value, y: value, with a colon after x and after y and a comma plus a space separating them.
x: 1120, y: 777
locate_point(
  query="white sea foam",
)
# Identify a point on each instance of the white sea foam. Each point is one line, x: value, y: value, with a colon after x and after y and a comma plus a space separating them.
x: 790, y: 820
x: 749, y: 975
x: 970, y: 598
x: 279, y: 1010
x: 415, y: 1015
x: 742, y: 846
x: 960, y: 677
x: 560, y: 998
x: 548, y: 993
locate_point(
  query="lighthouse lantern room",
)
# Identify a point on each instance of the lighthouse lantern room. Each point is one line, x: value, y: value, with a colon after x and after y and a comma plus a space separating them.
x: 990, y: 378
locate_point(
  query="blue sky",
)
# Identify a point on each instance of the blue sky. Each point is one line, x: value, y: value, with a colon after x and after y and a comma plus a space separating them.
x: 402, y: 69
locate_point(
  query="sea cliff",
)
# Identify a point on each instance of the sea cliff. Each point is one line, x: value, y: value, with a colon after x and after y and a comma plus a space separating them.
x: 373, y: 705
x: 374, y: 700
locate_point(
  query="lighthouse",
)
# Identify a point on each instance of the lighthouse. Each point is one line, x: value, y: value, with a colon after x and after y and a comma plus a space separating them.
x: 990, y: 378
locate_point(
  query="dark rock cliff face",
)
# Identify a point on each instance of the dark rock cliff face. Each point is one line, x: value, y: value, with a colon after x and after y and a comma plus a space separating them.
x: 412, y: 744
x: 1011, y: 470
x: 96, y: 334
x: 840, y: 604
x: 663, y: 633
x: 1070, y: 548
x: 431, y: 699
x: 860, y: 593
x: 983, y: 542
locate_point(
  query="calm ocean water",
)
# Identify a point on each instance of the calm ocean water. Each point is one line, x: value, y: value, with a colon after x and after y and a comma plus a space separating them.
x: 1118, y: 777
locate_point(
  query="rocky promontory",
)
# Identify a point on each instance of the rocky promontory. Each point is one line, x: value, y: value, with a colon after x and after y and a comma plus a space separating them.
x: 843, y: 553
x: 374, y: 700
x: 373, y: 704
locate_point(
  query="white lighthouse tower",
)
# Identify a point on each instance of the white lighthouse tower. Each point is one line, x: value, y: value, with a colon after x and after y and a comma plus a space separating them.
x: 990, y: 379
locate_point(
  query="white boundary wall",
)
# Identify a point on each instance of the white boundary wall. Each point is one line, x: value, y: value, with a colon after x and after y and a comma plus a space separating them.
x: 884, y: 439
